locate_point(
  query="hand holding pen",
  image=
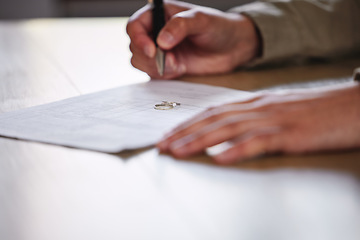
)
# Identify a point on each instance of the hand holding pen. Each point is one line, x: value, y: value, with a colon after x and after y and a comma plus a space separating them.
x: 197, y: 40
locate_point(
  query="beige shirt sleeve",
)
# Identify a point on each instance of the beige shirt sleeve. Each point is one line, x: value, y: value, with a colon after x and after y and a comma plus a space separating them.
x: 357, y: 74
x: 299, y: 29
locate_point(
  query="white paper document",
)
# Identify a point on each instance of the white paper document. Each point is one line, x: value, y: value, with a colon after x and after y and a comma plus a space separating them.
x: 116, y: 119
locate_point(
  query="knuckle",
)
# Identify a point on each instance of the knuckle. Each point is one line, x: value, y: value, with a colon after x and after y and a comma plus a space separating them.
x: 214, y: 116
x: 180, y: 22
x: 136, y: 41
x: 134, y: 62
x: 233, y: 124
x: 135, y: 50
x: 128, y: 27
x: 228, y: 63
x: 200, y: 16
x: 253, y: 145
x: 202, y: 139
x: 208, y: 113
x: 131, y: 26
x: 209, y: 109
x: 131, y: 47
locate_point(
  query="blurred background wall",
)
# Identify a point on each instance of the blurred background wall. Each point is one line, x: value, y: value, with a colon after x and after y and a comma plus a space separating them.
x: 27, y: 8
x: 15, y: 9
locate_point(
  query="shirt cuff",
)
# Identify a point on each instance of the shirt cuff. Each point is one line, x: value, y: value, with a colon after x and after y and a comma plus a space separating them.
x: 280, y: 38
x: 357, y: 74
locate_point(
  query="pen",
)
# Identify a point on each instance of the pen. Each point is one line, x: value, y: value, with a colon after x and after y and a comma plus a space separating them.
x: 158, y: 18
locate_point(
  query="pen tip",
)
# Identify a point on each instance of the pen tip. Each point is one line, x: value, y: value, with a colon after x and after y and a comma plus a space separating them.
x: 160, y: 61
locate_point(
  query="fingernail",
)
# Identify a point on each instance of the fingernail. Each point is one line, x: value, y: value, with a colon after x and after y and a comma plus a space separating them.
x: 181, y: 69
x: 162, y: 146
x: 222, y: 157
x: 148, y: 51
x: 178, y: 149
x: 170, y: 65
x: 165, y: 39
x: 179, y: 152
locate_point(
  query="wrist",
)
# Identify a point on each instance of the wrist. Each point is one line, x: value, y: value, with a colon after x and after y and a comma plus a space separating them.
x: 356, y: 102
x: 357, y: 75
x: 250, y: 42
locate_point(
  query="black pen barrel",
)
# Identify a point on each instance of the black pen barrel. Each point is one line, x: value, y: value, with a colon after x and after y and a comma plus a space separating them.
x: 158, y: 18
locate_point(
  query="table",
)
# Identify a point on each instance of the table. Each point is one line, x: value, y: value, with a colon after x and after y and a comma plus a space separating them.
x: 54, y: 192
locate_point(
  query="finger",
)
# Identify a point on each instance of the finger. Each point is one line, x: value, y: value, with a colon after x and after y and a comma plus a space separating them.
x: 187, y: 127
x: 172, y: 67
x: 173, y: 7
x: 220, y: 131
x: 144, y: 45
x: 139, y: 28
x: 142, y: 17
x: 180, y: 26
x: 202, y: 126
x: 205, y: 118
x: 257, y: 143
x: 142, y: 62
x: 217, y: 112
x: 136, y: 51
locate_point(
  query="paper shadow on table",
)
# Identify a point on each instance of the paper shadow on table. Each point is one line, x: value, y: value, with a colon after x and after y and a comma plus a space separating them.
x: 342, y: 161
x: 338, y: 161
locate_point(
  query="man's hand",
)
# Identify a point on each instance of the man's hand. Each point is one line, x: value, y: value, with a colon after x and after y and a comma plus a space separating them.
x: 290, y: 122
x: 197, y: 40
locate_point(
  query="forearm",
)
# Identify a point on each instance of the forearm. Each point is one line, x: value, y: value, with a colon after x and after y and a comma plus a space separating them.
x: 305, y: 29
